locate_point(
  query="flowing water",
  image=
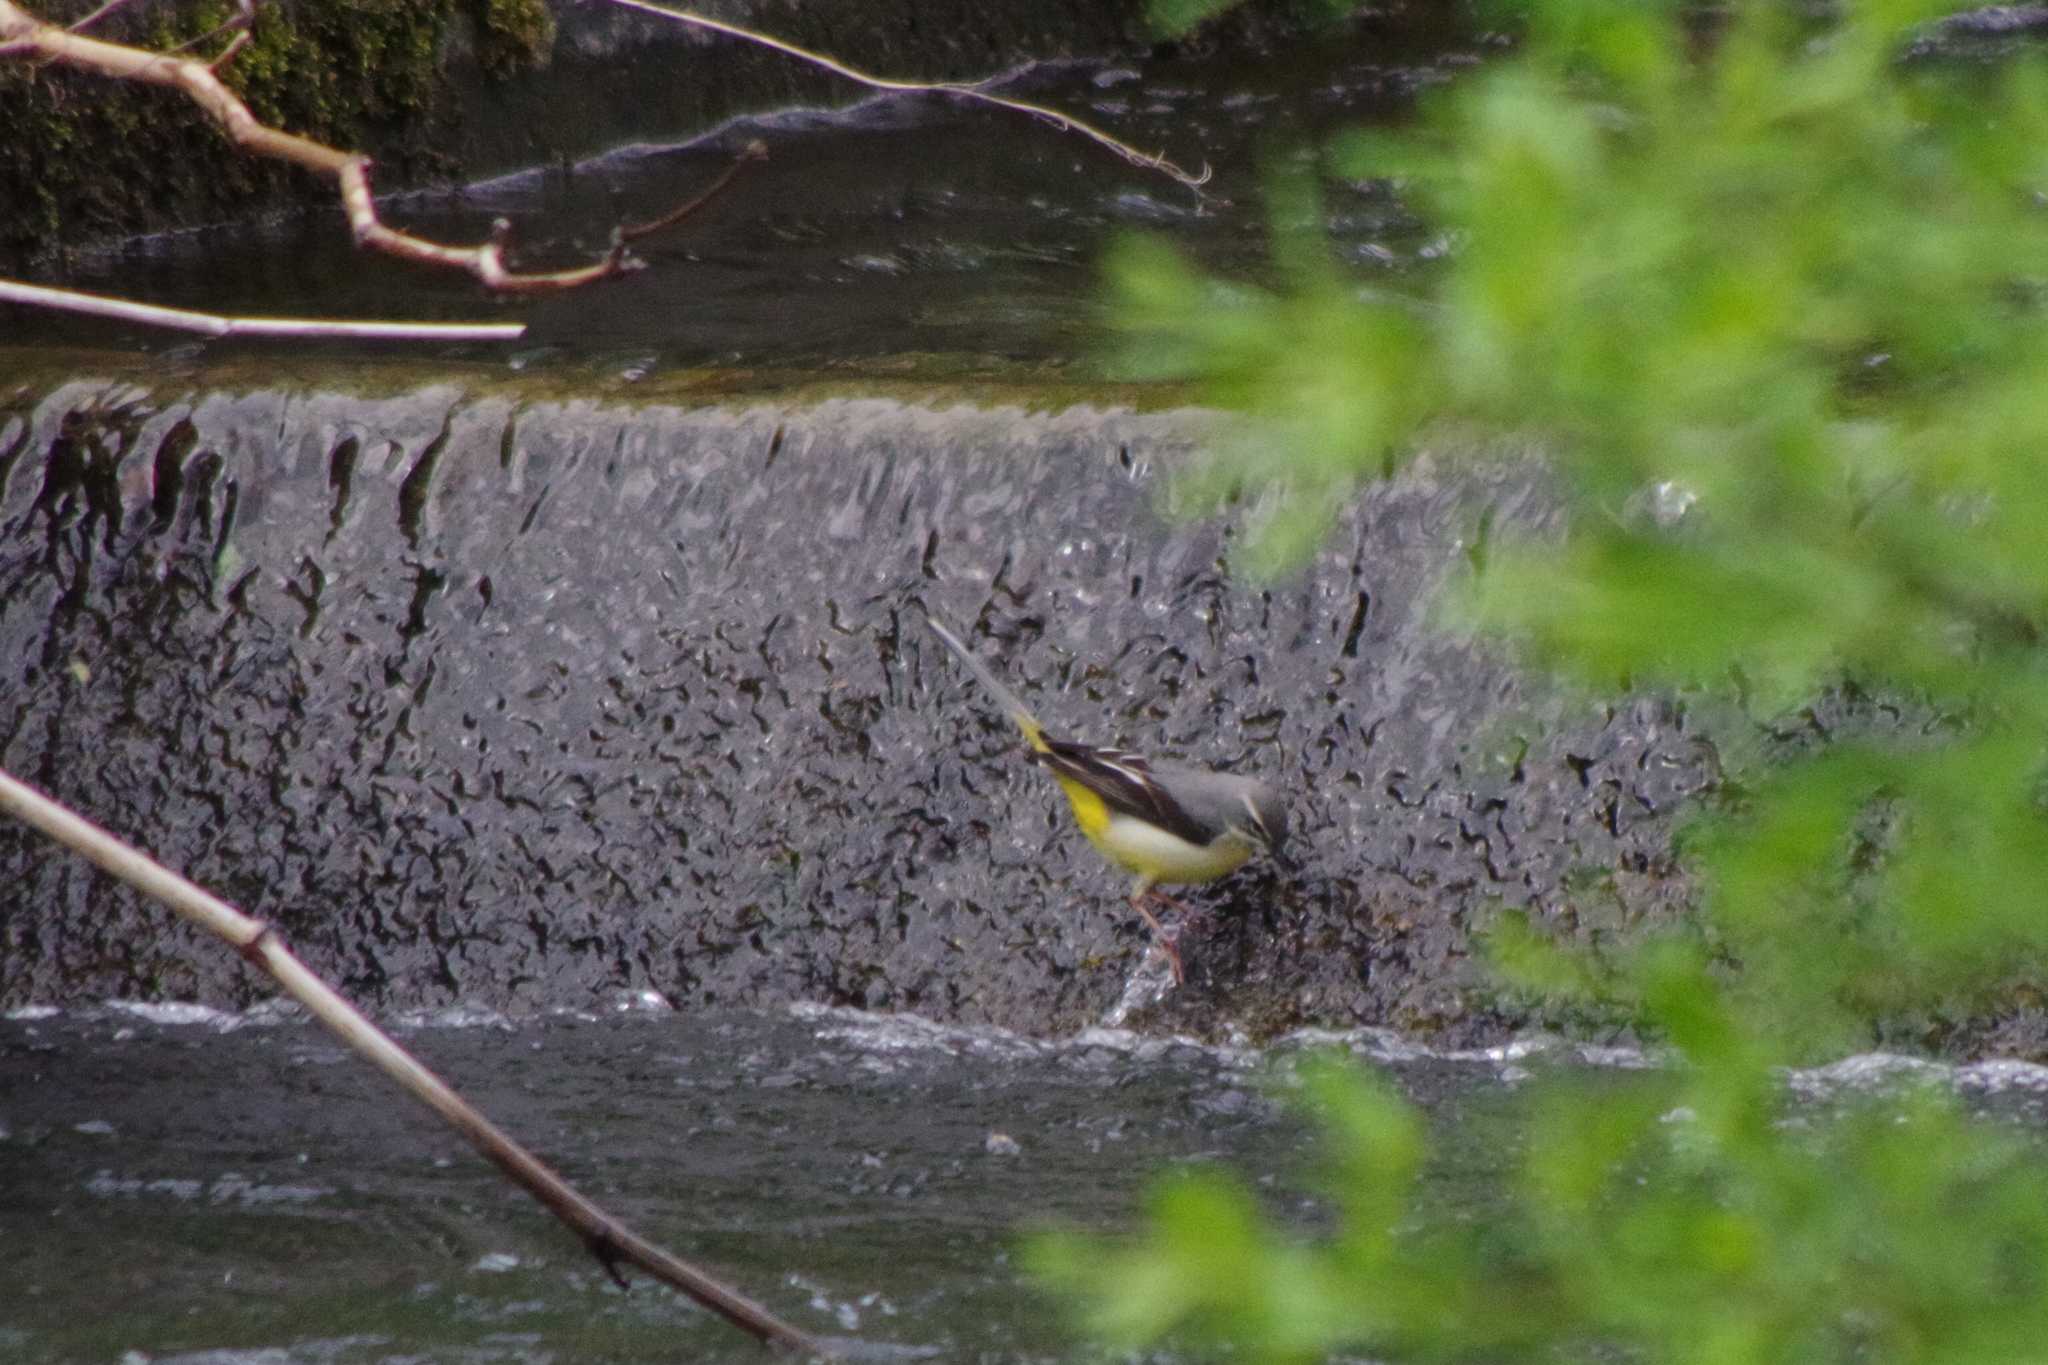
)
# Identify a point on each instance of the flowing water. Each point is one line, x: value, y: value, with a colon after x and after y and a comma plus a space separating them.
x: 191, y: 1186
x: 181, y: 1185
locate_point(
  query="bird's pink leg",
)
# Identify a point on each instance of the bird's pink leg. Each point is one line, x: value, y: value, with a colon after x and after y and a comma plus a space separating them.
x: 1167, y: 943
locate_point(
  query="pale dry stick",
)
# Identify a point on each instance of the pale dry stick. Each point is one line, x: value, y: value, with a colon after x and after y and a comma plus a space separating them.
x: 610, y: 1241
x: 970, y: 90
x: 22, y: 34
x: 220, y: 325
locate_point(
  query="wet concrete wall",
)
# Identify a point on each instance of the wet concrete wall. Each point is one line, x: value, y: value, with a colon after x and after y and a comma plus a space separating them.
x: 526, y: 702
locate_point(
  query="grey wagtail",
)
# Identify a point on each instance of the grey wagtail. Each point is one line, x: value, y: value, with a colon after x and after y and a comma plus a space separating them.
x: 1165, y: 822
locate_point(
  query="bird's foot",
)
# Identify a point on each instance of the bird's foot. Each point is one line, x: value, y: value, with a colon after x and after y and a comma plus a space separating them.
x: 1169, y: 950
x: 1168, y: 943
x: 1155, y: 896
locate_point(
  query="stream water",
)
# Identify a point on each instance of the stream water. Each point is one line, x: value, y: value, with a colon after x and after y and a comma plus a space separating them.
x: 188, y: 1187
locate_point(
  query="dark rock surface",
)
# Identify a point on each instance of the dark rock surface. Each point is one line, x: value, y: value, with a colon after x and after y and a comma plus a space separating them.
x: 517, y: 701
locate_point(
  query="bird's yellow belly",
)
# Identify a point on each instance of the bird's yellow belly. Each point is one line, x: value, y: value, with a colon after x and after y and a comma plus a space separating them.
x: 1091, y: 812
x: 1147, y: 850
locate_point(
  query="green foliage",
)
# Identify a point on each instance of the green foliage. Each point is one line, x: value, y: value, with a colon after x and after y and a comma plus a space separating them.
x: 1212, y: 1262
x: 1755, y: 282
x: 1762, y: 306
x: 1899, y: 1231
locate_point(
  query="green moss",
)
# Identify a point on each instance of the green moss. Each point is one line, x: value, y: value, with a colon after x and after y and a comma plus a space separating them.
x: 32, y: 371
x: 512, y: 34
x: 87, y: 159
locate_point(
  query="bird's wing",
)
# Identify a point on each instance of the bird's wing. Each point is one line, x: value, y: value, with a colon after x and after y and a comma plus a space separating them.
x: 1034, y: 733
x: 1124, y: 781
x: 1126, y: 785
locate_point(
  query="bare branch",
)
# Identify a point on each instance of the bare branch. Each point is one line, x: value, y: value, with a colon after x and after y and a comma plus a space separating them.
x: 227, y: 54
x: 218, y: 325
x: 967, y: 90
x: 21, y: 32
x: 610, y: 1241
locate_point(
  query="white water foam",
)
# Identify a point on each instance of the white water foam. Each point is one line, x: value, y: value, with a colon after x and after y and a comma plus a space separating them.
x: 884, y: 1033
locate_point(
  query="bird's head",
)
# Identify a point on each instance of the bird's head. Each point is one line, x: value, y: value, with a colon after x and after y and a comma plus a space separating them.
x: 1265, y: 824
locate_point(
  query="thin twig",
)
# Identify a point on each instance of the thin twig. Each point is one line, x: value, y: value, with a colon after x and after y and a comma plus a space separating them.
x: 756, y: 150
x: 227, y: 54
x: 610, y: 1241
x: 968, y: 90
x: 243, y: 20
x: 81, y: 25
x: 219, y: 325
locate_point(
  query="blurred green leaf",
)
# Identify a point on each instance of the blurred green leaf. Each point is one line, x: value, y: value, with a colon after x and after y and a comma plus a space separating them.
x: 1178, y: 16
x: 1173, y: 17
x: 1764, y: 288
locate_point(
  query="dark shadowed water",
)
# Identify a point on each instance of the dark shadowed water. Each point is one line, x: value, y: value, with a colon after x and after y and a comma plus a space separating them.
x: 910, y: 232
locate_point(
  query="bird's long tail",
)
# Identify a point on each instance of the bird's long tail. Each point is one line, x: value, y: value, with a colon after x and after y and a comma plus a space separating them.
x: 1034, y: 733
